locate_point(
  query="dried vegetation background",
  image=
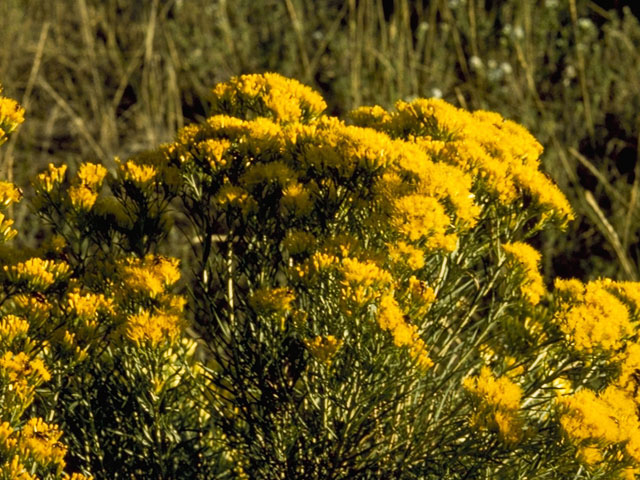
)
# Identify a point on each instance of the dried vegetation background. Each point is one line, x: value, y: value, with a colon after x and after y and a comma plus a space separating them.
x: 106, y: 78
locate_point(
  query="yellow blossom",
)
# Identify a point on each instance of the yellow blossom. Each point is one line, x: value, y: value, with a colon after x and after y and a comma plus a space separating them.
x: 41, y: 440
x: 214, y: 151
x: 9, y: 193
x: 153, y: 328
x: 91, y: 175
x: 46, y: 181
x: 392, y: 319
x: 12, y: 327
x: 608, y: 417
x: 324, y: 348
x: 82, y: 197
x: 422, y: 217
x: 527, y: 259
x: 590, y: 316
x: 268, y: 94
x: 267, y: 300
x: 498, y: 402
x: 6, y: 230
x: 11, y: 115
x: 402, y: 252
x: 150, y: 275
x: 138, y: 174
x: 497, y: 392
x: 36, y: 272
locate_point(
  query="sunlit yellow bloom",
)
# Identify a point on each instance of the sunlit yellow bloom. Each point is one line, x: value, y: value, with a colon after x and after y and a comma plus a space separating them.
x: 364, y: 274
x: 590, y: 316
x: 12, y: 327
x: 213, y: 150
x: 16, y: 470
x: 138, y: 174
x: 324, y: 348
x: 318, y: 262
x: 391, y: 318
x: 268, y: 94
x: 153, y: 328
x: 35, y: 307
x: 407, y: 254
x: 502, y: 156
x: 498, y: 400
x: 372, y: 117
x: 11, y: 115
x: 23, y: 374
x: 150, y: 275
x: 628, y: 291
x: 82, y: 197
x: 36, y: 272
x: 6, y: 230
x: 91, y: 175
x: 421, y: 217
x: 9, y: 193
x: 526, y: 258
x: 498, y: 392
x: 48, y: 179
x: 41, y: 440
x: 88, y: 304
x: 609, y: 417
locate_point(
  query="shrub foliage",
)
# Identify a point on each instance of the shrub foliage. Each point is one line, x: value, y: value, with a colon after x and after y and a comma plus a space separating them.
x: 359, y: 300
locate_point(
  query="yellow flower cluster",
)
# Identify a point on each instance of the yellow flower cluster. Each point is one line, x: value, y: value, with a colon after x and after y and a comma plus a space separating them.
x: 88, y: 304
x: 392, y: 319
x: 268, y: 94
x: 527, y: 259
x: 138, y: 174
x: 501, y: 155
x: 86, y: 185
x: 6, y: 230
x: 37, y: 442
x: 324, y: 348
x: 91, y: 175
x: 364, y: 278
x: 39, y: 274
x: 9, y: 193
x: 590, y: 316
x: 11, y: 115
x: 146, y: 328
x: 406, y: 254
x: 151, y: 275
x: 499, y: 401
x: 47, y: 180
x: 24, y: 374
x: 419, y: 217
x: 12, y: 327
x: 592, y: 420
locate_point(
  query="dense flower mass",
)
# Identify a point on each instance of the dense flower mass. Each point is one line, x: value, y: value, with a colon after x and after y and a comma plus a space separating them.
x: 357, y: 300
x: 11, y: 116
x: 590, y: 316
x: 526, y: 258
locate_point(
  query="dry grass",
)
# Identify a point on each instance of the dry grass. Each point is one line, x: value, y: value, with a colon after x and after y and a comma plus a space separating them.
x: 105, y: 78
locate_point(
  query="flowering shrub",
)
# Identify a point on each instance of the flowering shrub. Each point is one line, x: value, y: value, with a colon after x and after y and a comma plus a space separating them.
x: 363, y: 293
